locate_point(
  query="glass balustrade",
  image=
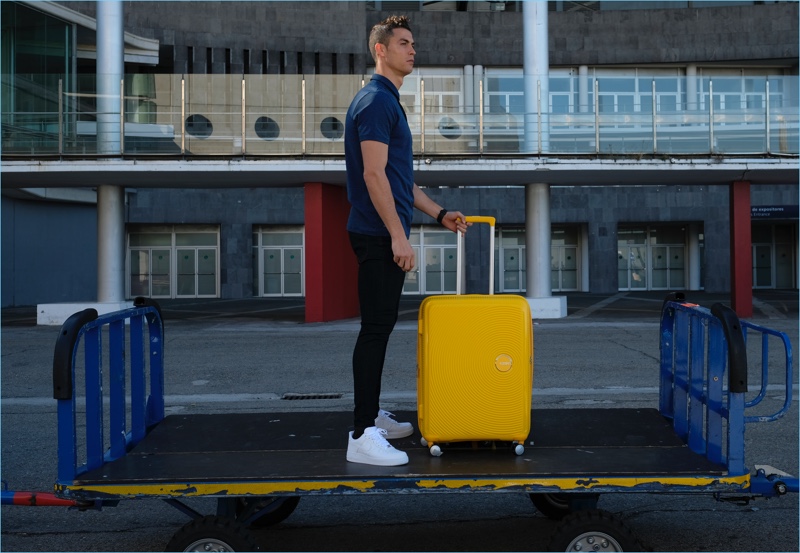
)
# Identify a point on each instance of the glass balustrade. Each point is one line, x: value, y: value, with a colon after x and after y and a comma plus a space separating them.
x: 296, y: 115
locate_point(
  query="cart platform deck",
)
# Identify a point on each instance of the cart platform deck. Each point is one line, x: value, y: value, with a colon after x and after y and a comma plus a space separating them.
x: 304, y: 452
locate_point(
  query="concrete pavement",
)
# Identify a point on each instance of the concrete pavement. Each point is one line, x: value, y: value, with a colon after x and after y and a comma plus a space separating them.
x: 250, y: 355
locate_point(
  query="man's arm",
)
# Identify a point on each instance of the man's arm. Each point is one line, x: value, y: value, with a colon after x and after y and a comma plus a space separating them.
x: 376, y: 156
x: 453, y: 220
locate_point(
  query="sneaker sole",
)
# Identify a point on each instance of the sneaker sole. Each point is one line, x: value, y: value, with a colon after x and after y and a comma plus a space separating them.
x: 398, y: 434
x: 377, y: 462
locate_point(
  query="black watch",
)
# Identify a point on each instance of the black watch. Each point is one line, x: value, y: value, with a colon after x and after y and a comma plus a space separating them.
x: 440, y: 217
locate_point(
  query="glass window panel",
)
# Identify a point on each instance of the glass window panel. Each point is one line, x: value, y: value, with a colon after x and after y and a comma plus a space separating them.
x: 761, y: 233
x: 667, y: 103
x: 638, y: 265
x: 292, y: 284
x: 659, y: 278
x: 560, y: 104
x: 625, y: 103
x: 207, y: 262
x: 272, y: 261
x: 206, y: 285
x: 570, y: 259
x: 733, y: 101
x: 272, y: 283
x: 646, y: 103
x: 569, y: 280
x: 667, y: 235
x: 631, y: 236
x: 292, y: 261
x: 186, y: 262
x: 433, y: 270
x: 282, y: 239
x: 784, y: 233
x: 140, y: 273
x: 511, y: 259
x: 160, y: 262
x: 195, y: 239
x: 438, y: 238
x: 727, y: 85
x: 150, y: 239
x: 676, y: 279
x: 617, y: 85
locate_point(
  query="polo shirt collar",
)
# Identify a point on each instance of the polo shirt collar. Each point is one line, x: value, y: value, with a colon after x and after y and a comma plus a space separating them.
x: 387, y: 83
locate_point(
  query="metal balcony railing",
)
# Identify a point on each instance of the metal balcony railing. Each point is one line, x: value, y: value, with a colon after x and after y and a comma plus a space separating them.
x: 296, y: 115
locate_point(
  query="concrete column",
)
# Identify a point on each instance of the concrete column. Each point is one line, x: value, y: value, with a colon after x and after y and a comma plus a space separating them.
x: 110, y: 70
x: 469, y: 90
x: 477, y: 77
x: 741, y: 249
x: 691, y: 87
x: 584, y: 245
x: 536, y: 69
x: 537, y: 246
x: 110, y: 243
x: 583, y: 89
x: 693, y: 257
x: 110, y: 198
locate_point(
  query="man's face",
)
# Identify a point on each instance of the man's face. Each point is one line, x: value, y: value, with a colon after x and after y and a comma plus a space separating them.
x: 398, y: 56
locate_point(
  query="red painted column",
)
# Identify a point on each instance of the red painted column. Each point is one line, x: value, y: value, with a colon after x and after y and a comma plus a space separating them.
x: 741, y: 250
x: 330, y: 265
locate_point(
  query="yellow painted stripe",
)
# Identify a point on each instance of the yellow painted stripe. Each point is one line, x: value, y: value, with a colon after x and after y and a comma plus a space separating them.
x: 288, y: 487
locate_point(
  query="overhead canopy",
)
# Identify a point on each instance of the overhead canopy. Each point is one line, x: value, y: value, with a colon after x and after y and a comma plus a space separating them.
x: 137, y: 49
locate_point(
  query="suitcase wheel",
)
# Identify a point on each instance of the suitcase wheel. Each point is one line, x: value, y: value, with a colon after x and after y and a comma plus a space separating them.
x: 436, y: 451
x: 424, y: 442
x: 519, y: 449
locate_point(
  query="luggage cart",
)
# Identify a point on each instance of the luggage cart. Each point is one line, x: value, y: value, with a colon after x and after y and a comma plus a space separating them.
x: 258, y: 465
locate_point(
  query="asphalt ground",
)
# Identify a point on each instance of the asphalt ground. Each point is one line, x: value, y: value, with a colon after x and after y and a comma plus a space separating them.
x: 226, y: 356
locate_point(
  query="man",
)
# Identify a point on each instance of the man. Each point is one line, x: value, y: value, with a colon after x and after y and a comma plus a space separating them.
x: 383, y: 195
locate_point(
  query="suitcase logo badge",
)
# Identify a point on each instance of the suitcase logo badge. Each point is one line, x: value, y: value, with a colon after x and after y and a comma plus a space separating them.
x: 503, y: 363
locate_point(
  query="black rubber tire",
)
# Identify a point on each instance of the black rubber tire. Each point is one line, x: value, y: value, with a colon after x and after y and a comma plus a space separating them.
x: 594, y: 530
x: 282, y: 507
x: 556, y: 506
x: 213, y: 533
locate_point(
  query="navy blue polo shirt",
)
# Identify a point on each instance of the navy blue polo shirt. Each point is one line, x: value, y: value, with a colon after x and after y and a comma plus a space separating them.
x: 376, y: 114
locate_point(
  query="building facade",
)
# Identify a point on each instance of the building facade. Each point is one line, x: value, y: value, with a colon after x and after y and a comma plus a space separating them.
x: 626, y: 80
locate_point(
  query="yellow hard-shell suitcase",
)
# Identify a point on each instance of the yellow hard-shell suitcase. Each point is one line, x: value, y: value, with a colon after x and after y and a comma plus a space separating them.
x: 474, y: 365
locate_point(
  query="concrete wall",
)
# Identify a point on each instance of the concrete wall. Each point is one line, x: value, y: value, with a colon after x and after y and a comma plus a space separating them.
x: 705, y: 35
x: 602, y: 209
x: 236, y: 211
x: 49, y: 252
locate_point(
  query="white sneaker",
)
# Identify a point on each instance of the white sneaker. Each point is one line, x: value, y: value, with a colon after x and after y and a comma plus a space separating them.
x: 373, y: 449
x: 393, y: 428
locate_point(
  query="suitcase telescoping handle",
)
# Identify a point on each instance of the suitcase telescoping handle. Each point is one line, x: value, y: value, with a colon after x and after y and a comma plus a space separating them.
x: 460, y: 246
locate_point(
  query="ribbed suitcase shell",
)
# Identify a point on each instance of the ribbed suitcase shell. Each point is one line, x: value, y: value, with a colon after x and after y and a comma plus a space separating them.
x: 474, y: 366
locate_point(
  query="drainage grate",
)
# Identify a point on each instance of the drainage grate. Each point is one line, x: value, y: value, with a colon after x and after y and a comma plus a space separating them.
x: 292, y: 396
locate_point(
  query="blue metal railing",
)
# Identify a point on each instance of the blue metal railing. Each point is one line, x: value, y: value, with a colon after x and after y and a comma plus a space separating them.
x: 704, y: 378
x: 130, y: 344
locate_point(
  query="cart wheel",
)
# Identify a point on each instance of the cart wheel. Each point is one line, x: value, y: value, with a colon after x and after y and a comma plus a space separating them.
x: 556, y: 506
x: 423, y: 442
x: 594, y: 530
x: 519, y: 449
x: 213, y: 533
x: 436, y: 451
x: 275, y: 509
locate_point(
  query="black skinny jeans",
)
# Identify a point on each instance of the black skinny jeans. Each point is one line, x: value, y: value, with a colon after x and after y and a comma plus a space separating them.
x: 380, y: 284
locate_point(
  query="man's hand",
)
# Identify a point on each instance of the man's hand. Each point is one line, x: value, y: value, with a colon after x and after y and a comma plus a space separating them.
x: 455, y: 221
x: 403, y: 254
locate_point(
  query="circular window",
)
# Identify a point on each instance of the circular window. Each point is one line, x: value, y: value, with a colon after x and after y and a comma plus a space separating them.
x: 267, y: 128
x: 199, y: 126
x: 448, y: 128
x: 331, y: 128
